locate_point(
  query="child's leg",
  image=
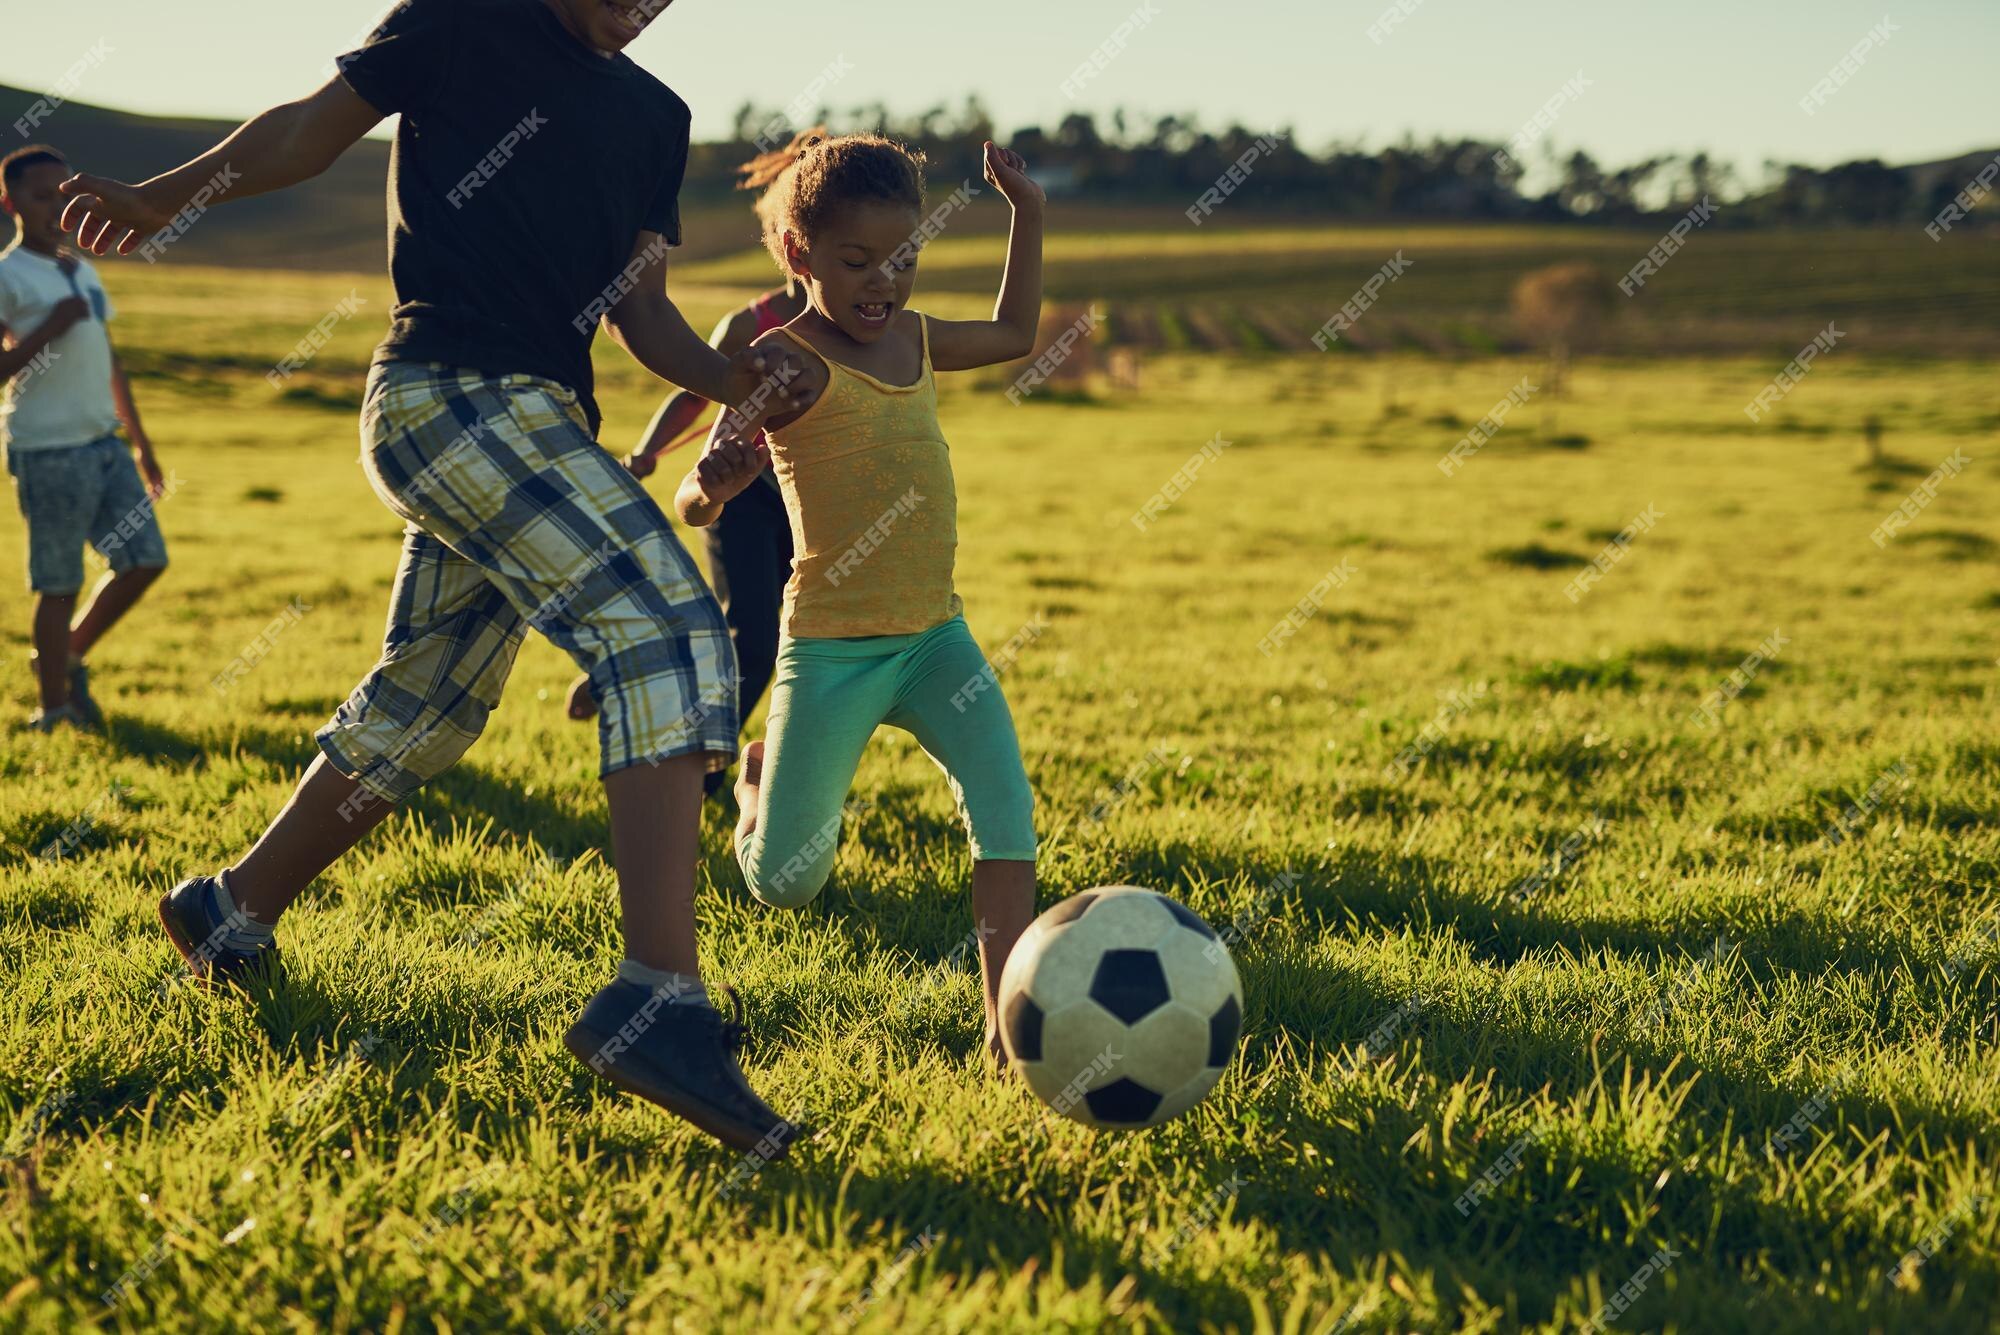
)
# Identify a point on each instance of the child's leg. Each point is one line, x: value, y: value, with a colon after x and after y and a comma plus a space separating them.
x: 656, y: 839
x: 52, y: 614
x: 127, y: 532
x: 113, y: 597
x: 950, y: 701
x: 450, y: 644
x: 826, y: 705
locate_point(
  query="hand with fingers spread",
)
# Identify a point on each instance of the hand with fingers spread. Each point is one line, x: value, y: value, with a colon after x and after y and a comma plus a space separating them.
x: 107, y: 214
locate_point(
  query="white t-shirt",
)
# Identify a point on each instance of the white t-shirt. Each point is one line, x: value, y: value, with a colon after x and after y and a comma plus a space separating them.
x: 63, y: 397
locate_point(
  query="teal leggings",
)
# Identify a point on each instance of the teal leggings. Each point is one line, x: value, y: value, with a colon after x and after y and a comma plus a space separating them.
x: 829, y: 697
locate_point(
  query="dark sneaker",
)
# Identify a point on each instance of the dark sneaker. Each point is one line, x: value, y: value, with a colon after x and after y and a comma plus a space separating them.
x: 48, y: 720
x: 79, y: 694
x: 198, y: 931
x: 682, y: 1058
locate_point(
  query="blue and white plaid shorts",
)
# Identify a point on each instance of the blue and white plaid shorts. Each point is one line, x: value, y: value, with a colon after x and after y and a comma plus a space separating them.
x: 515, y: 518
x: 84, y: 493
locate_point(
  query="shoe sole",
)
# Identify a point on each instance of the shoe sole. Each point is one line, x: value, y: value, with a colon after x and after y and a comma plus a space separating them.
x: 200, y: 968
x: 585, y: 1043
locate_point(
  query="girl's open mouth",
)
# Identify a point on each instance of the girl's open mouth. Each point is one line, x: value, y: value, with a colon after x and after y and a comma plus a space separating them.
x: 874, y: 314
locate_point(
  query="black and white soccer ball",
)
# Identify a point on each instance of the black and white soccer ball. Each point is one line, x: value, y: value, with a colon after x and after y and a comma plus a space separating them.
x: 1120, y: 1007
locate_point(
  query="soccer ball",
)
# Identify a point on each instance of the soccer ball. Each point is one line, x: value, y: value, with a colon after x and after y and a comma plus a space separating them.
x: 1120, y: 1007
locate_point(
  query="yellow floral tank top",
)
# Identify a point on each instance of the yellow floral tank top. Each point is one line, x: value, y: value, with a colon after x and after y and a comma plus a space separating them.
x: 867, y: 481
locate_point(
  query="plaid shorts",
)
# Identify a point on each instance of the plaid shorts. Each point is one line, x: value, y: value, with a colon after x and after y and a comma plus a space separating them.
x: 78, y: 494
x: 517, y: 518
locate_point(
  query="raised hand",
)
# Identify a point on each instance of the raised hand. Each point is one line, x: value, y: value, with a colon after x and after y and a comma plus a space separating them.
x: 1007, y: 172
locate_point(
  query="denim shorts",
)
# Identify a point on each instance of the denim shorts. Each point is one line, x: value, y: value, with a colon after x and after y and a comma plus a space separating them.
x: 79, y: 494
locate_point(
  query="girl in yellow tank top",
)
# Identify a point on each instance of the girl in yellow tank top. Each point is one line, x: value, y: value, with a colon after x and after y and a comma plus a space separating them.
x: 872, y: 630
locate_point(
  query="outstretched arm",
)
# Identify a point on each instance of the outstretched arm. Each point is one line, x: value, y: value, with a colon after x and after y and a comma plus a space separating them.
x: 281, y: 147
x: 684, y: 407
x: 960, y: 345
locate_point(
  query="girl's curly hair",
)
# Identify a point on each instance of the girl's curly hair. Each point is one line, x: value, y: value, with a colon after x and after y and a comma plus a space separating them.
x: 809, y: 180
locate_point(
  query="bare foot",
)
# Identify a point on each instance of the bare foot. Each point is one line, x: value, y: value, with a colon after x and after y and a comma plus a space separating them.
x: 750, y: 776
x: 582, y: 700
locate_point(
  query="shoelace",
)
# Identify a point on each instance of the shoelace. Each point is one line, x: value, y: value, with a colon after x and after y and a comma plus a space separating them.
x: 734, y: 1032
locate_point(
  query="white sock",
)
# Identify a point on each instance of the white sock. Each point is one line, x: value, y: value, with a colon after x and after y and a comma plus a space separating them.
x: 245, y: 932
x: 683, y: 989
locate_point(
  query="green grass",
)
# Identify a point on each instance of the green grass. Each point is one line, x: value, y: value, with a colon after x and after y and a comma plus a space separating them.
x: 396, y: 1141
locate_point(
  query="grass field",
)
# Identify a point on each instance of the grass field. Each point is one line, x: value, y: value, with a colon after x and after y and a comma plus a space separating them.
x: 1746, y: 1027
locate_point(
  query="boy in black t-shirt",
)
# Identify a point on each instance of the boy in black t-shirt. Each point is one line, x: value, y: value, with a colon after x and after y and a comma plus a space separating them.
x: 533, y: 189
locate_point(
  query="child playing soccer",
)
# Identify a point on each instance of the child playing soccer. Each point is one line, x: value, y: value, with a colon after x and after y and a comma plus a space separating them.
x: 533, y: 191
x: 750, y: 544
x: 872, y: 627
x: 77, y: 482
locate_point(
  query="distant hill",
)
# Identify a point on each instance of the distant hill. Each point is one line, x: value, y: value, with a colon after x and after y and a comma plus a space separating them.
x: 335, y: 222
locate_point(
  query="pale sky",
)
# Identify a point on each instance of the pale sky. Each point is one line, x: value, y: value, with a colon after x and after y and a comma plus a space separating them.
x: 1726, y: 75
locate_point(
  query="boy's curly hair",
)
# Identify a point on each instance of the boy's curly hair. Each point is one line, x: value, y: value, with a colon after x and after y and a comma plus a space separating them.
x: 809, y: 180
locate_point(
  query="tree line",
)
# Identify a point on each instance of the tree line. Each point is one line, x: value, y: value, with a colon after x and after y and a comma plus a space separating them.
x: 1174, y: 159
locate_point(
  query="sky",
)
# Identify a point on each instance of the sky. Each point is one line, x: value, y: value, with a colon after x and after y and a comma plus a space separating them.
x: 1725, y: 75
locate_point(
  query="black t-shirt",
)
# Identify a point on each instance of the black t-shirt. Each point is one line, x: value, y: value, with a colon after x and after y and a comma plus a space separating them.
x: 524, y: 169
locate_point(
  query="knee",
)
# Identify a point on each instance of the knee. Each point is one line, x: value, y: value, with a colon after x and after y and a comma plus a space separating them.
x: 792, y: 884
